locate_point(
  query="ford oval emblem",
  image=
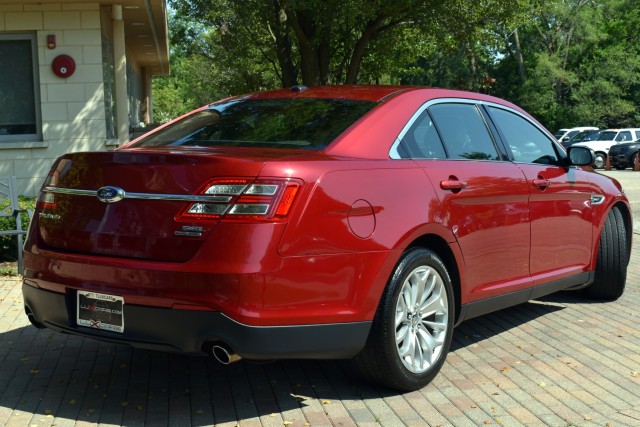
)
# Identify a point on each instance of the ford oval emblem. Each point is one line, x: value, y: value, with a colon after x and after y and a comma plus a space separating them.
x: 110, y: 194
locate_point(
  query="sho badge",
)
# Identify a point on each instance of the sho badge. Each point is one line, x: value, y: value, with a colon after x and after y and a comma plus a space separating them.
x: 110, y: 194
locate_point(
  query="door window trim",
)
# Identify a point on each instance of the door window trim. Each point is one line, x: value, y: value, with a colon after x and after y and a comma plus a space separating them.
x: 393, y: 151
x: 559, y: 149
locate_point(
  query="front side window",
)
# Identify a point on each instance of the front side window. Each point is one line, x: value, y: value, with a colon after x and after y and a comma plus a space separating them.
x: 528, y: 144
x: 464, y: 132
x: 20, y: 106
x: 303, y: 123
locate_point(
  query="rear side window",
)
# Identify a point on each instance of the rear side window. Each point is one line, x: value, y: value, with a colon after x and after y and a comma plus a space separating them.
x: 624, y: 136
x: 422, y: 141
x: 304, y: 123
x: 464, y: 132
x: 528, y: 144
x: 607, y: 136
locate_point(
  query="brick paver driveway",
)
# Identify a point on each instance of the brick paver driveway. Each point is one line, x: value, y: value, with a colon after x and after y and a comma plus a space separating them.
x: 558, y: 361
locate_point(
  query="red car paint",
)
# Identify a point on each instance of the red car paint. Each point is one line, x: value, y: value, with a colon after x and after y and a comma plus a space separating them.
x: 506, y: 226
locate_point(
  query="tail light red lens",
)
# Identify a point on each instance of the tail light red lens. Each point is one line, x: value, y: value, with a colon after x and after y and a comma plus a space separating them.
x: 268, y: 200
x: 46, y: 199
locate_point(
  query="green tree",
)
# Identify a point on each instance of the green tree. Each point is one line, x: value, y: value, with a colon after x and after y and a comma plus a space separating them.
x: 334, y: 41
x: 568, y: 62
x: 578, y: 63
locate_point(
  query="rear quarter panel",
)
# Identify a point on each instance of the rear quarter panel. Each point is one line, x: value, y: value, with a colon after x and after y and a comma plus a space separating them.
x: 362, y: 215
x: 359, y: 206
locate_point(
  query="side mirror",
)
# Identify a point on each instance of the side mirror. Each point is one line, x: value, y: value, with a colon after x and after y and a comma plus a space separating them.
x: 581, y: 156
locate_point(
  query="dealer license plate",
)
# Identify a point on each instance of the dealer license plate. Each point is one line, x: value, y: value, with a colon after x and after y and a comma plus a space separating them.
x: 100, y: 311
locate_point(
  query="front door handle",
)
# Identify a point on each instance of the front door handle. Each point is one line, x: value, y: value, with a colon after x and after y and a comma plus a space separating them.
x: 541, y: 183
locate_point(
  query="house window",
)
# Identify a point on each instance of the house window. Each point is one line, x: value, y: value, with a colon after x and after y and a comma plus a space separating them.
x: 19, y: 88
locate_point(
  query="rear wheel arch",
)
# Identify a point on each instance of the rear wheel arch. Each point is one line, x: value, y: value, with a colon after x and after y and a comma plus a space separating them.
x: 412, y: 330
x: 440, y: 246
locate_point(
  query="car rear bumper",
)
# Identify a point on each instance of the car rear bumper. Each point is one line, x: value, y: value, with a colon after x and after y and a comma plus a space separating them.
x: 192, y: 331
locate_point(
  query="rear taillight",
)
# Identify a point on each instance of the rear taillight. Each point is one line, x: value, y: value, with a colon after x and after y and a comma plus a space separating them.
x: 47, y: 199
x: 244, y: 200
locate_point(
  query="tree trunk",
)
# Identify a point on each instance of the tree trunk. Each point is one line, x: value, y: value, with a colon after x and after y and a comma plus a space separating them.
x: 519, y: 58
x: 283, y: 46
x: 360, y: 48
x: 324, y: 60
x: 304, y: 28
x: 473, y: 68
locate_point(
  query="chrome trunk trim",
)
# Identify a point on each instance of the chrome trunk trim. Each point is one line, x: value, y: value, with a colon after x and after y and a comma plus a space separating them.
x: 143, y: 196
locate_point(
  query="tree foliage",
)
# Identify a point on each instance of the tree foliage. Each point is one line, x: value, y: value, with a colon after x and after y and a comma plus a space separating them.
x: 582, y: 63
x: 569, y: 62
x: 332, y: 41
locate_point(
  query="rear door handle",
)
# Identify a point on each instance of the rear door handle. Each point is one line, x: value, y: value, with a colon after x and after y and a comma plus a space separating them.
x: 541, y: 183
x: 452, y: 185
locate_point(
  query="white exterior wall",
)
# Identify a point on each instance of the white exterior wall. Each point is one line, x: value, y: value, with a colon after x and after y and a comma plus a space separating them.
x: 73, y: 116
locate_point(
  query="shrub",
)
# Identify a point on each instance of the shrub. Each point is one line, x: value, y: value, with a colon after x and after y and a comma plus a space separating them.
x: 9, y: 244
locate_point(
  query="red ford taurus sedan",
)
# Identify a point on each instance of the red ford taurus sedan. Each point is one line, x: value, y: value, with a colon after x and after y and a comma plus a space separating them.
x: 357, y: 222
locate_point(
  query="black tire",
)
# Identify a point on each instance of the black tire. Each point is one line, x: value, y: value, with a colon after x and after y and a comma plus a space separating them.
x: 600, y: 162
x: 380, y: 361
x: 613, y: 258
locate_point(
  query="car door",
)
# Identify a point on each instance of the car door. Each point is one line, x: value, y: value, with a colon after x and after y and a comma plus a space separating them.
x: 560, y: 201
x: 482, y: 198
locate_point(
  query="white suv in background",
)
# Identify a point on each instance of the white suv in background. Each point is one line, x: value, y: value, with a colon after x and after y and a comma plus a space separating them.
x: 565, y: 134
x: 606, y: 139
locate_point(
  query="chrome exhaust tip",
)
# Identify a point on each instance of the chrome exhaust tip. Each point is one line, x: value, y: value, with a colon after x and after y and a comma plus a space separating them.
x: 32, y: 319
x: 224, y: 354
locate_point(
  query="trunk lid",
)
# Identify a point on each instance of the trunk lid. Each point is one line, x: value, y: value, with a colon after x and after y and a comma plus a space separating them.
x: 145, y: 223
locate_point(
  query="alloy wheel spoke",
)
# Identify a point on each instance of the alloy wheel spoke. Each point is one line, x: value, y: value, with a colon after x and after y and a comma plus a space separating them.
x: 418, y: 357
x: 408, y: 347
x: 428, y: 344
x: 402, y: 333
x: 430, y: 284
x: 435, y: 326
x: 401, y: 312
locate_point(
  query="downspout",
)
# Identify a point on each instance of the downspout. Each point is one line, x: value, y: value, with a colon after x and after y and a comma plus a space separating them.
x: 120, y: 62
x: 148, y: 84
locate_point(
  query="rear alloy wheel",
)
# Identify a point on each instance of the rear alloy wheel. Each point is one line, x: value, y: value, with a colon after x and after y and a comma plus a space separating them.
x: 412, y: 329
x: 600, y: 161
x: 613, y: 258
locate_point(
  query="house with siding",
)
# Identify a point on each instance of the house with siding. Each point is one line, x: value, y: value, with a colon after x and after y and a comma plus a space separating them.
x: 74, y: 76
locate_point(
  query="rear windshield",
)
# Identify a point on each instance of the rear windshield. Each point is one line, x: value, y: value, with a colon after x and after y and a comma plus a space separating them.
x: 304, y: 123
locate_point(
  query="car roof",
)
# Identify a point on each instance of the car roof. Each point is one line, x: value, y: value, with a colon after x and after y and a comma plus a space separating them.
x: 372, y: 93
x: 352, y: 92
